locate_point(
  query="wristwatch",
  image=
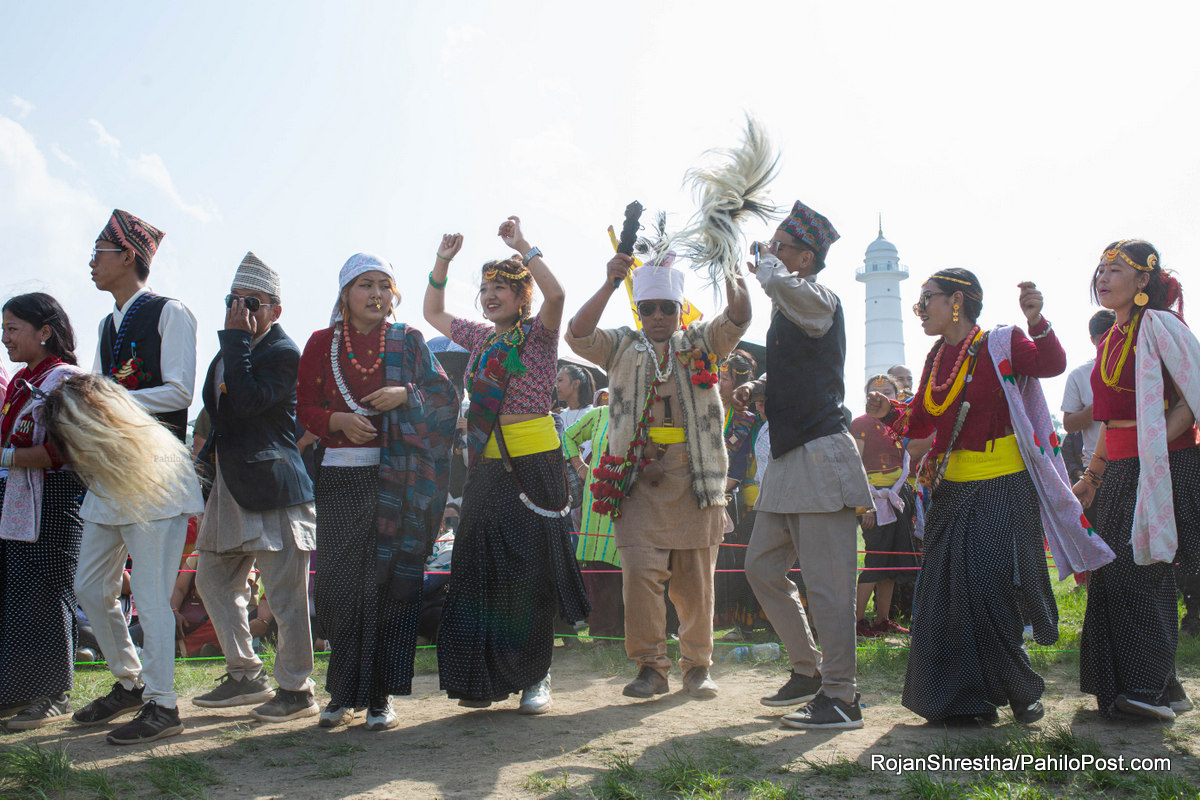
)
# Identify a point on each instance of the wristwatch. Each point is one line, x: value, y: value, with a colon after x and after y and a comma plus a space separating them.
x: 531, y: 255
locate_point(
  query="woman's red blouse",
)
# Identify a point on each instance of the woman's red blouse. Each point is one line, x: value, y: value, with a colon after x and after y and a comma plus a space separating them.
x: 317, y: 395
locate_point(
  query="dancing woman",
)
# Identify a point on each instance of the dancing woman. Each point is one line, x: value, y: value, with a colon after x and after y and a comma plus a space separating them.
x: 1002, y: 489
x: 1144, y: 477
x: 385, y: 411
x: 40, y: 527
x: 513, y: 560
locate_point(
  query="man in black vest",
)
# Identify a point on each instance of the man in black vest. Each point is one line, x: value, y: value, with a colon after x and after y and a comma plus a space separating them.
x: 814, y: 480
x: 148, y: 345
x: 260, y: 510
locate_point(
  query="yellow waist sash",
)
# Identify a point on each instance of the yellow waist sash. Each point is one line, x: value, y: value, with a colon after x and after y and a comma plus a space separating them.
x: 525, y: 438
x: 667, y: 435
x: 1003, y: 459
x: 885, y: 480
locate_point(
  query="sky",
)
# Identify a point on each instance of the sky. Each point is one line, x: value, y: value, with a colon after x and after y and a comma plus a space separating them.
x: 1015, y: 140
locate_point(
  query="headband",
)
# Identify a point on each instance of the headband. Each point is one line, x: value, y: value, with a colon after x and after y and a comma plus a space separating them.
x: 974, y: 294
x: 1110, y: 257
x: 498, y: 271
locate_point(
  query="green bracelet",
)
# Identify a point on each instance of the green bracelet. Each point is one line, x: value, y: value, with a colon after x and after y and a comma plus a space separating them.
x: 436, y: 284
x: 443, y: 258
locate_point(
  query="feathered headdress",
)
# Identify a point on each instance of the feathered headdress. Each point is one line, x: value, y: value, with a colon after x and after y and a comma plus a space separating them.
x: 729, y: 193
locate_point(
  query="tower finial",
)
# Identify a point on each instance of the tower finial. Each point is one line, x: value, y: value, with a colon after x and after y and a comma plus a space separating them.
x: 880, y: 224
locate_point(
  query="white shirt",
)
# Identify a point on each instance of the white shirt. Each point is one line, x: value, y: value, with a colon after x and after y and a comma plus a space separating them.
x: 177, y: 358
x: 1078, y: 396
x: 805, y: 302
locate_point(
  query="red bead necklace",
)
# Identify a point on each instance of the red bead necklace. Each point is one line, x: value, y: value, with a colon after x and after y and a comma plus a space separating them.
x: 937, y: 361
x: 354, y: 361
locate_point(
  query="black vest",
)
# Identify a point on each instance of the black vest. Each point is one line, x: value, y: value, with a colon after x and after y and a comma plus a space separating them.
x: 805, y: 385
x: 141, y: 336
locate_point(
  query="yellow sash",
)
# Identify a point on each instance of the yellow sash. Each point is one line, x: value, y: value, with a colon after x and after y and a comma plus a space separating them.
x: 525, y: 438
x: 1003, y: 459
x: 662, y: 435
x: 885, y: 480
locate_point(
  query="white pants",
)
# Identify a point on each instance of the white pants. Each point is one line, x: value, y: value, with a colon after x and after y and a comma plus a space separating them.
x: 155, y: 548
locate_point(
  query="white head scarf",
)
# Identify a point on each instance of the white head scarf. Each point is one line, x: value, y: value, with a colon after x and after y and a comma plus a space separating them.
x: 658, y: 282
x: 355, y: 266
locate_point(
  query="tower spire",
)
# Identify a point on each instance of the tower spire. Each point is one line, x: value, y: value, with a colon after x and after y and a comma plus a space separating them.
x: 880, y: 224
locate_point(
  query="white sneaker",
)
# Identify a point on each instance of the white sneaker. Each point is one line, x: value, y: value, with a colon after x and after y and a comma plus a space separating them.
x: 1143, y: 709
x: 381, y: 718
x: 333, y: 715
x: 536, y: 699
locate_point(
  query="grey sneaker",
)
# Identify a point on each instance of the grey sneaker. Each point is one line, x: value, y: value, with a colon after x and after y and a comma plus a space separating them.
x: 233, y: 691
x: 826, y: 712
x: 286, y: 705
x: 105, y: 709
x: 152, y: 723
x: 536, y: 699
x: 333, y: 715
x: 41, y: 712
x: 798, y: 689
x: 1143, y: 708
x: 381, y: 717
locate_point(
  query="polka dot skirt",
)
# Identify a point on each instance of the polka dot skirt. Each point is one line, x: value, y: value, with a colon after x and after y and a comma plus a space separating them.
x: 511, y: 569
x: 37, y: 598
x: 373, y: 637
x: 985, y: 574
x: 1131, y: 626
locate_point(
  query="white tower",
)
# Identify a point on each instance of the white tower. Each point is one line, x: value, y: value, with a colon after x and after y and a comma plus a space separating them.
x: 882, y: 272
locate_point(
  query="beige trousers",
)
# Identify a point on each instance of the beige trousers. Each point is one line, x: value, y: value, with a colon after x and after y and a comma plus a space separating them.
x: 645, y: 572
x: 826, y: 545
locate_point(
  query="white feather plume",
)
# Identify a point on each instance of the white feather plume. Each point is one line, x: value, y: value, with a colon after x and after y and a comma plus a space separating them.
x: 729, y: 192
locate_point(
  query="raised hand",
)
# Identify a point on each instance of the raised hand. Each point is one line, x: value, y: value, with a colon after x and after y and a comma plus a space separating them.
x: 618, y: 268
x: 237, y: 318
x: 878, y: 405
x: 1031, y: 302
x: 510, y: 233
x: 451, y: 244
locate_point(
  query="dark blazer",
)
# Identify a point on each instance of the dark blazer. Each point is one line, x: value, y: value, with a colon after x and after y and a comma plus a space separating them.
x: 254, y: 421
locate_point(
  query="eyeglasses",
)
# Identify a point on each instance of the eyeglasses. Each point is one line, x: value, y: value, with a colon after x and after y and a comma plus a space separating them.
x: 105, y: 250
x: 252, y: 303
x: 923, y: 303
x: 646, y: 308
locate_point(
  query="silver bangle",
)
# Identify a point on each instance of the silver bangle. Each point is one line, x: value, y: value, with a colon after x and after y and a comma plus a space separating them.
x: 6, y: 457
x: 1046, y: 332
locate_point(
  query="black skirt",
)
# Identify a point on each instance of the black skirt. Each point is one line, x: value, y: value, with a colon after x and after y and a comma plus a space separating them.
x: 984, y: 576
x: 1131, y: 627
x: 890, y: 549
x: 511, y: 570
x: 373, y: 637
x: 37, y: 597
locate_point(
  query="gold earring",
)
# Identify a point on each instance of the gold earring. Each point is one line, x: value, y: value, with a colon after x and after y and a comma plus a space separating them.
x: 955, y: 317
x: 1141, y: 299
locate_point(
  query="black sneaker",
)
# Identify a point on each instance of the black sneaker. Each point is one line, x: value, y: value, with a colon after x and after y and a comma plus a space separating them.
x: 1029, y: 713
x: 153, y: 722
x: 286, y: 705
x: 41, y: 712
x: 1177, y: 697
x: 826, y: 712
x: 233, y: 691
x: 105, y: 709
x: 798, y: 689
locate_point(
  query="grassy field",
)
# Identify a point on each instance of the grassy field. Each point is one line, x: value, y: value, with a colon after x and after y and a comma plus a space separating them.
x: 740, y: 760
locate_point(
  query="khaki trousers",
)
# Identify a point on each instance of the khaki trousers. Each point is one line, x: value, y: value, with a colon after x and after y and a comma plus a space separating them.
x: 645, y: 572
x: 221, y: 579
x: 826, y: 545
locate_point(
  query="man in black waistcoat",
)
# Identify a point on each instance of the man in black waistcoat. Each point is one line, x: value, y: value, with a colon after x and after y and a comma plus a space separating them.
x: 814, y: 480
x: 148, y: 345
x: 260, y: 510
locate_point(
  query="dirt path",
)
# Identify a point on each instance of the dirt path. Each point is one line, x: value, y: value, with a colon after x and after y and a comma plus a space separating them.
x: 441, y: 750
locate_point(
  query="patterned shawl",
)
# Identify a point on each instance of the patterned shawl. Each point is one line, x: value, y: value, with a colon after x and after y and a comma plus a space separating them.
x: 1163, y: 339
x: 414, y: 464
x: 1075, y: 546
x: 487, y: 379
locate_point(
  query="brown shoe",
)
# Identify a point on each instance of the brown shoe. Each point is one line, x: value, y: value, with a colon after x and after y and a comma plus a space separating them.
x: 697, y: 684
x: 648, y: 683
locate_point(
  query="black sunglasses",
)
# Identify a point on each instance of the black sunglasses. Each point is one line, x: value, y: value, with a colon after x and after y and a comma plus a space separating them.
x: 252, y: 303
x: 646, y: 308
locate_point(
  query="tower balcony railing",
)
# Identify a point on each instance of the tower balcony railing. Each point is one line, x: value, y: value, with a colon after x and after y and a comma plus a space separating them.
x: 881, y: 269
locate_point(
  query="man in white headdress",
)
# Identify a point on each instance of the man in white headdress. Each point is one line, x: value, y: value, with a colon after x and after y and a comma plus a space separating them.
x: 664, y: 475
x: 260, y: 510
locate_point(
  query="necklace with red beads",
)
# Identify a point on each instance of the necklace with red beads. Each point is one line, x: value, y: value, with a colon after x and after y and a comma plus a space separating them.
x: 350, y: 354
x: 937, y: 361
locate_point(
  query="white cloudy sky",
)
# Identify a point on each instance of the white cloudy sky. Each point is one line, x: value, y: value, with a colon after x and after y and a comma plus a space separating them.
x: 1015, y: 139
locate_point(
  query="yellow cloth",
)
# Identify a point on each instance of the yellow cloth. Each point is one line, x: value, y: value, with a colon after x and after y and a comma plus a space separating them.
x: 667, y: 435
x: 525, y: 438
x: 885, y: 480
x: 1003, y: 459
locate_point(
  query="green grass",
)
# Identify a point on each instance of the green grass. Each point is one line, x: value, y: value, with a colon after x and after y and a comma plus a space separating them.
x: 29, y: 771
x: 840, y: 768
x: 182, y: 776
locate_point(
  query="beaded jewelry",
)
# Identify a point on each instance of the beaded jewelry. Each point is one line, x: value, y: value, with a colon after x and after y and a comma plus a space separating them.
x: 962, y: 352
x: 335, y: 362
x: 354, y: 361
x: 1112, y: 377
x: 956, y: 381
